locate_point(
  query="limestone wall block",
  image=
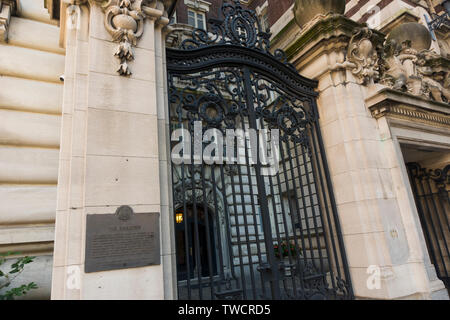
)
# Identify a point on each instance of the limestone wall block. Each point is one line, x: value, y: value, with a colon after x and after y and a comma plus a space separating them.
x: 122, y: 180
x: 120, y: 133
x: 33, y: 34
x: 28, y: 165
x: 29, y: 129
x: 34, y: 10
x: 107, y: 93
x: 27, y: 203
x: 30, y: 95
x: 22, y: 234
x: 31, y: 64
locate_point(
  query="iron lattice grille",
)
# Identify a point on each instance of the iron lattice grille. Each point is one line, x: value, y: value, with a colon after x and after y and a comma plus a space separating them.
x: 431, y: 190
x: 245, y: 230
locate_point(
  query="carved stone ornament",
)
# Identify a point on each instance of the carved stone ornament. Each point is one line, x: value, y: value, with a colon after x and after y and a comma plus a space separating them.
x: 362, y: 57
x: 124, y: 21
x: 7, y: 8
x: 423, y: 73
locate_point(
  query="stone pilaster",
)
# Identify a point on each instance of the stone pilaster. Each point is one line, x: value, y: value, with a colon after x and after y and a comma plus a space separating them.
x: 113, y: 141
x: 381, y: 232
x: 7, y: 8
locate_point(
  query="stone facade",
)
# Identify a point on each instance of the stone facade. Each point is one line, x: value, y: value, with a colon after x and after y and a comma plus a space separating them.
x: 354, y: 64
x: 31, y: 63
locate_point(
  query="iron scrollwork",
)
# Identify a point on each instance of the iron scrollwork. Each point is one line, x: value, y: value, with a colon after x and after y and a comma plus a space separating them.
x: 240, y: 27
x: 228, y: 78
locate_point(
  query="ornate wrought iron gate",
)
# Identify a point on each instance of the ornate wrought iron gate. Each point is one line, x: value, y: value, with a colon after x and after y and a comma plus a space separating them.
x: 431, y: 190
x: 257, y: 218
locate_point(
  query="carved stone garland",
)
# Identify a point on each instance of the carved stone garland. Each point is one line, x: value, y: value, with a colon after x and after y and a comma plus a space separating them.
x: 398, y: 66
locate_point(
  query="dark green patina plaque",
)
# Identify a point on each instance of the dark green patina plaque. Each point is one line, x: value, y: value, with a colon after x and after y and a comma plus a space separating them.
x: 122, y: 240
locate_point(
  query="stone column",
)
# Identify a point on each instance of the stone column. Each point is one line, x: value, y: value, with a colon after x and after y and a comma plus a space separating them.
x: 113, y: 141
x: 381, y: 234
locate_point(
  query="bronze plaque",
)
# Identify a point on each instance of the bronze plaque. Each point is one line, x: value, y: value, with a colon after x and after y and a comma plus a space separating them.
x: 122, y: 240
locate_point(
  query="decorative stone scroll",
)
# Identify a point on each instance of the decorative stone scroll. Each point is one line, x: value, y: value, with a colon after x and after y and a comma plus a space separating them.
x: 7, y: 8
x: 362, y: 56
x: 124, y: 21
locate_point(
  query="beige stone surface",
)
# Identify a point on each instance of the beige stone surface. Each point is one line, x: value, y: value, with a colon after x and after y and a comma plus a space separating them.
x: 27, y: 203
x: 34, y: 10
x: 28, y: 165
x: 138, y: 283
x: 107, y: 93
x: 17, y: 234
x: 30, y: 64
x: 102, y: 60
x: 121, y: 133
x: 122, y: 180
x: 29, y: 129
x: 35, y: 35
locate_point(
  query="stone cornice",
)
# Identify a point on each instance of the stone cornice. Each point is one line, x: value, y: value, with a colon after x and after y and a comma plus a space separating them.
x: 7, y: 9
x: 400, y: 105
x: 349, y: 45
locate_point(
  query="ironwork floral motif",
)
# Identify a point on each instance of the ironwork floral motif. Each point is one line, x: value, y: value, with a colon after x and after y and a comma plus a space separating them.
x: 283, y: 111
x: 212, y: 97
x: 441, y: 177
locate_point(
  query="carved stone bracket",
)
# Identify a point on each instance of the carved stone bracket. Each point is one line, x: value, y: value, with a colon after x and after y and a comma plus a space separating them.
x: 362, y: 56
x: 124, y: 21
x: 7, y: 8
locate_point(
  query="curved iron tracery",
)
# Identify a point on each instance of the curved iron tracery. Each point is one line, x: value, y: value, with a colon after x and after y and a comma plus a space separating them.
x: 241, y: 27
x: 228, y: 78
